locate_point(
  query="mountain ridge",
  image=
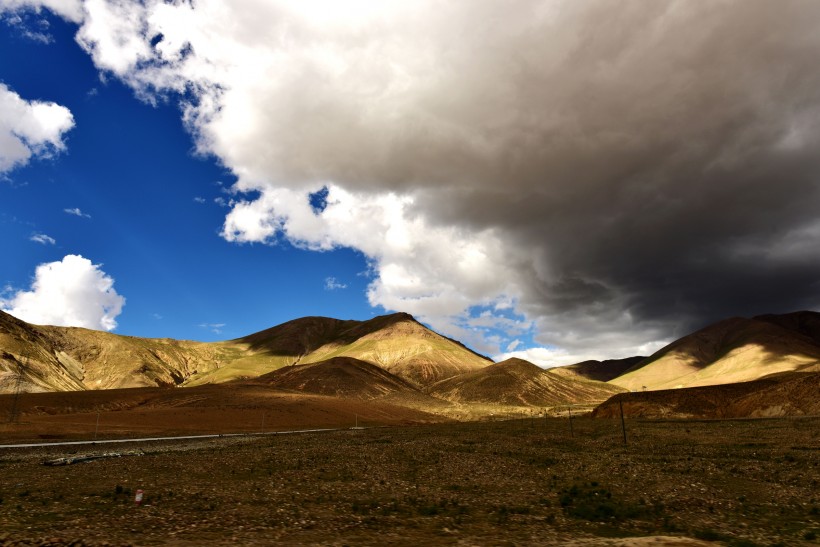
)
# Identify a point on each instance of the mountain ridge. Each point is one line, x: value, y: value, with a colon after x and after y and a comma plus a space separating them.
x: 72, y: 358
x: 729, y: 351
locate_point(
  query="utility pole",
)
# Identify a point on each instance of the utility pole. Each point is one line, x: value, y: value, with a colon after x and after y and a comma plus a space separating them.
x: 623, y: 424
x: 571, y: 430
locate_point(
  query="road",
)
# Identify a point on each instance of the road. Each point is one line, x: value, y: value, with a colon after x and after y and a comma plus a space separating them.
x: 177, y: 438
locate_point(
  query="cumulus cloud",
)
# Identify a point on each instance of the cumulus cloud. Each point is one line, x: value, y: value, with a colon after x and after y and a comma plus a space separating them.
x: 612, y: 172
x: 29, y: 129
x: 72, y: 292
x: 77, y: 212
x: 42, y: 238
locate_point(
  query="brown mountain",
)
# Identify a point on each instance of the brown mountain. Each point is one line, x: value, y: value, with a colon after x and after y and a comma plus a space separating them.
x: 787, y: 394
x: 339, y: 377
x: 397, y: 343
x: 65, y: 358
x: 601, y: 371
x: 733, y: 350
x: 516, y: 382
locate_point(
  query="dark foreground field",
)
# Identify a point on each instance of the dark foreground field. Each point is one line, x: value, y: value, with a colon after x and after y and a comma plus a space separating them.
x: 740, y: 483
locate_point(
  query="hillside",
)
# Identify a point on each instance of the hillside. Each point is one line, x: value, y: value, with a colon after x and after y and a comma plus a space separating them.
x: 516, y: 382
x: 788, y: 394
x: 397, y: 343
x: 733, y: 350
x: 601, y: 371
x: 68, y: 358
x: 339, y: 377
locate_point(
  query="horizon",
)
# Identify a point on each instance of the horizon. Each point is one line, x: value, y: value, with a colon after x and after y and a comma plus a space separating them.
x: 534, y: 181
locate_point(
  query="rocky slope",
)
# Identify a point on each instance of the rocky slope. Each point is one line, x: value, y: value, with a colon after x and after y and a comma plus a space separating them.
x: 516, y: 382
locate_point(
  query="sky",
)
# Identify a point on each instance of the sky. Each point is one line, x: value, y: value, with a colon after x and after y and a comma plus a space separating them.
x: 552, y: 180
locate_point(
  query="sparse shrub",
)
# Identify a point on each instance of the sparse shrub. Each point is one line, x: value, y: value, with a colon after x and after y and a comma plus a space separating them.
x: 118, y: 489
x: 594, y: 503
x: 708, y: 535
x: 811, y: 535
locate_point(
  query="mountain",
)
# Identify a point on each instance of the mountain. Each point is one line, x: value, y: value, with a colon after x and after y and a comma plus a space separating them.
x: 344, y: 377
x: 69, y: 358
x: 601, y: 371
x: 787, y: 394
x: 516, y: 382
x: 733, y: 350
x: 397, y: 343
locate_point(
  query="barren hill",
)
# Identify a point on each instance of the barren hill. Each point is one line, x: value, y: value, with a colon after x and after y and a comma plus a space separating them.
x: 68, y: 358
x: 517, y: 382
x: 397, y: 343
x: 340, y: 377
x: 788, y: 394
x: 733, y: 350
x: 44, y: 358
x: 601, y: 371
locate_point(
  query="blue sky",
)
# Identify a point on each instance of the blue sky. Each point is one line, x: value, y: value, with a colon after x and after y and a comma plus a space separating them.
x: 131, y: 167
x: 550, y: 180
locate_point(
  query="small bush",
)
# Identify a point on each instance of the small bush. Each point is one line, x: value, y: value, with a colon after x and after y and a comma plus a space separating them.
x: 595, y: 503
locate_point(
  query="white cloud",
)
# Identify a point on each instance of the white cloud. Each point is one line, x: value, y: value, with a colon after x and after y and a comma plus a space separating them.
x: 331, y: 284
x: 42, y: 238
x: 75, y: 211
x: 216, y: 328
x: 71, y: 292
x: 514, y: 344
x: 29, y: 129
x: 68, y: 9
x: 199, y: 199
x: 549, y: 357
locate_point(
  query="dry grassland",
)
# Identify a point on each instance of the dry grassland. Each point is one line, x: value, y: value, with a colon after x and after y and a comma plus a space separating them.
x: 528, y: 482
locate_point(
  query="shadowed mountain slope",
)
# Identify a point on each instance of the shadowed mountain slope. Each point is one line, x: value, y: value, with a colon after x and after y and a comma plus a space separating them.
x: 787, y: 394
x: 517, y: 382
x: 733, y: 350
x: 339, y: 377
x: 601, y: 371
x: 806, y: 323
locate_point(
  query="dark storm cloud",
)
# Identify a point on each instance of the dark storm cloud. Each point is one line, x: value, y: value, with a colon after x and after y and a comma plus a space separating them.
x: 647, y: 167
x: 685, y: 155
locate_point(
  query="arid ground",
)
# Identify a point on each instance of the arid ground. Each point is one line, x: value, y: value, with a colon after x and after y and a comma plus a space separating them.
x: 526, y: 482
